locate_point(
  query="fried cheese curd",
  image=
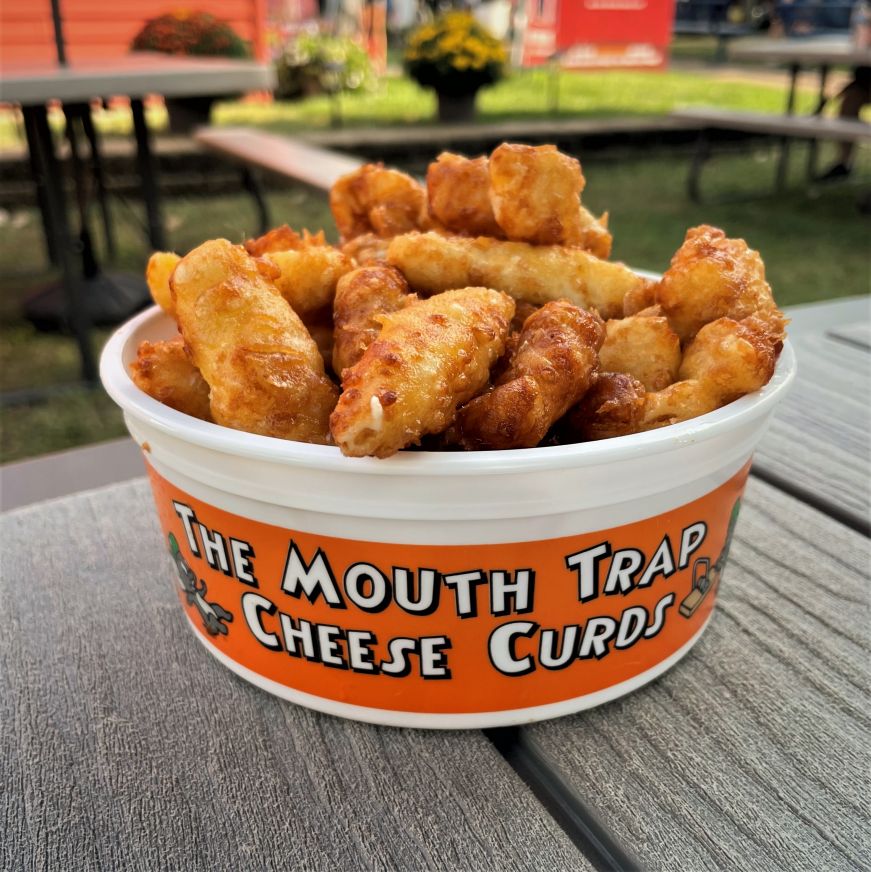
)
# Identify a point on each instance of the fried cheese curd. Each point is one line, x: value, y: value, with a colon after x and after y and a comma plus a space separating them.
x: 361, y: 296
x: 264, y: 370
x: 376, y: 200
x: 535, y: 192
x: 552, y: 367
x: 595, y: 236
x: 432, y: 263
x: 518, y: 355
x: 712, y: 276
x: 307, y: 279
x: 308, y: 267
x: 366, y: 250
x: 521, y: 193
x: 644, y: 346
x: 614, y: 406
x: 458, y: 191
x: 164, y: 371
x: 283, y: 238
x: 429, y: 358
x: 726, y: 360
x: 157, y: 273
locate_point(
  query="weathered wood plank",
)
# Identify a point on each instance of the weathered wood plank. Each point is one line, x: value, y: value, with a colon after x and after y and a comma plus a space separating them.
x: 125, y: 746
x: 67, y: 472
x: 802, y: 126
x: 819, y: 443
x: 855, y: 334
x: 752, y: 752
x: 278, y: 154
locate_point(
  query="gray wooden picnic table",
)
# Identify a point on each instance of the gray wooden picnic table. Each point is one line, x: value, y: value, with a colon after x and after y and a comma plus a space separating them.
x: 124, y: 746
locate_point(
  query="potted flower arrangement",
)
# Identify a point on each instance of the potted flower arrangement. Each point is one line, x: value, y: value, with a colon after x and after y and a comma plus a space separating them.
x: 455, y: 56
x: 190, y: 33
x: 315, y: 63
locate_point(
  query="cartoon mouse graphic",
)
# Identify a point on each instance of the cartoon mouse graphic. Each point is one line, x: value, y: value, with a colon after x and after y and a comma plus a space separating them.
x: 213, y: 614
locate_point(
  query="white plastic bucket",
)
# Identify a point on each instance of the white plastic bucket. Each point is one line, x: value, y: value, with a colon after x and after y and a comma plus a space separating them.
x: 444, y: 590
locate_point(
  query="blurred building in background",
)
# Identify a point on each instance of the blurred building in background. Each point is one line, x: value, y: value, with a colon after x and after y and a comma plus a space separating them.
x: 98, y: 30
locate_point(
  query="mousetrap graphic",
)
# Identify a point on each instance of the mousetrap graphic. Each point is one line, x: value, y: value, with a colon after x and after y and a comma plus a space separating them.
x: 703, y: 582
x: 706, y: 577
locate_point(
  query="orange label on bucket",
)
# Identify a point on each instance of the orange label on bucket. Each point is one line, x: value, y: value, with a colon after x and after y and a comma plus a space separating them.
x: 449, y: 629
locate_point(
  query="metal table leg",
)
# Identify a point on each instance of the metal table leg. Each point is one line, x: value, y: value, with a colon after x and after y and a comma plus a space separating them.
x: 251, y: 183
x: 48, y: 170
x: 701, y: 155
x: 50, y: 232
x: 148, y: 176
x: 821, y: 104
x: 783, y: 164
x: 73, y: 113
x: 99, y: 181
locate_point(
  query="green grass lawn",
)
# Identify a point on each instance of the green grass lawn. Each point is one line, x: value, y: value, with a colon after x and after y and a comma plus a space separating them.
x: 524, y: 94
x: 814, y: 248
x: 527, y: 94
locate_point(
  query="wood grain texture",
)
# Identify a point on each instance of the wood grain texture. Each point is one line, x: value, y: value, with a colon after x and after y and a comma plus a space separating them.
x: 819, y: 442
x: 124, y: 745
x: 801, y: 126
x: 752, y: 752
x: 854, y: 334
x: 283, y: 155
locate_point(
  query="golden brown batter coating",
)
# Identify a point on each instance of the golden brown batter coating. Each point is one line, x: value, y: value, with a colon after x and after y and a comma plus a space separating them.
x: 594, y: 234
x: 320, y: 327
x: 538, y: 274
x: 614, y: 406
x: 373, y: 199
x: 265, y: 371
x: 713, y: 277
x: 726, y: 360
x: 429, y: 358
x: 522, y: 311
x: 640, y: 298
x: 644, y: 346
x: 164, y: 371
x: 307, y: 277
x: 733, y: 358
x: 157, y: 273
x: 680, y: 401
x: 553, y: 367
x: 458, y: 191
x: 535, y: 193
x: 361, y: 296
x: 366, y: 250
x: 283, y: 239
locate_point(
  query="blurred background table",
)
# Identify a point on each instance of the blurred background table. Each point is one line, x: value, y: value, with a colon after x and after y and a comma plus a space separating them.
x: 86, y: 294
x: 125, y: 745
x: 797, y: 53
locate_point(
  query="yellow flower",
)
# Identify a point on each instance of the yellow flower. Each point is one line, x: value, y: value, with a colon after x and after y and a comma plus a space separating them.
x: 458, y: 19
x: 474, y: 45
x: 424, y: 33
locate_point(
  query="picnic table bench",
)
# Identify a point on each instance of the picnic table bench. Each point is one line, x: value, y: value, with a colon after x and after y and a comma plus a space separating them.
x: 126, y: 746
x: 820, y: 52
x: 808, y: 127
x: 256, y: 150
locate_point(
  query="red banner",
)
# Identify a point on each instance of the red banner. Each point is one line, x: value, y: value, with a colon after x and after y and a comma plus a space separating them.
x: 598, y: 34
